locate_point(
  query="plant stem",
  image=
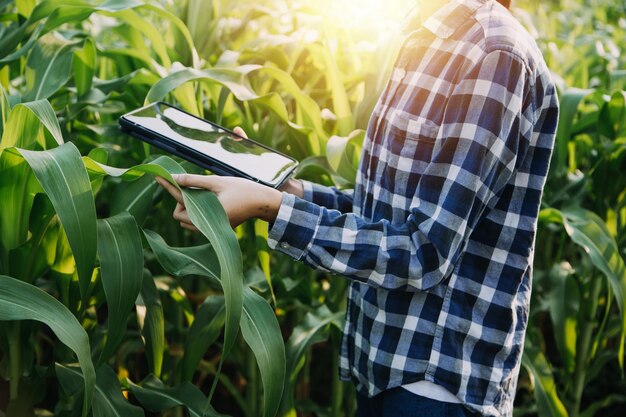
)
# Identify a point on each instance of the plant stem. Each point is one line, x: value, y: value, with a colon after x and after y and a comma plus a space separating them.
x: 337, y: 385
x: 15, y: 358
x: 583, y: 345
x: 4, y: 268
x: 252, y: 388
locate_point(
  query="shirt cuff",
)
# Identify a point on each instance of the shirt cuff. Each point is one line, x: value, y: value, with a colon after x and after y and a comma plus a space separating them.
x: 295, y: 226
x: 307, y: 188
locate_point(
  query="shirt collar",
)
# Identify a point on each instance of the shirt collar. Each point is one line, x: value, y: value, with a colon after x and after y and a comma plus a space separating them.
x: 445, y: 21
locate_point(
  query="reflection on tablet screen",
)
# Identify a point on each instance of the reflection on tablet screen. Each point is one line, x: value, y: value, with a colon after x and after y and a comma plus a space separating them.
x: 241, y: 154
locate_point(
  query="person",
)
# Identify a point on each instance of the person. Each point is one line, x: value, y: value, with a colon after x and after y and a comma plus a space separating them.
x: 437, y: 237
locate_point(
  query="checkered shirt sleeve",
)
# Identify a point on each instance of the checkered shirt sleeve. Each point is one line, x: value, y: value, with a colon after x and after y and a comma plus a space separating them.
x: 481, y: 148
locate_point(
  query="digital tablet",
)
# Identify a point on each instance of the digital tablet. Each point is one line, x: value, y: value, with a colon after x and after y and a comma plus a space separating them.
x: 207, y: 144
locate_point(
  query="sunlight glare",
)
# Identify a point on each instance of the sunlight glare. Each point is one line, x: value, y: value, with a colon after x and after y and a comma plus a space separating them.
x: 374, y: 16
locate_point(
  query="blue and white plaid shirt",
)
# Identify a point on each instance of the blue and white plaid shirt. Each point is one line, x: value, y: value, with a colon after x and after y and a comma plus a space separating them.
x: 438, y: 235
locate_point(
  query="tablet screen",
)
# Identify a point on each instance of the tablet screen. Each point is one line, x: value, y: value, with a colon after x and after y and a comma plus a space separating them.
x: 242, y: 154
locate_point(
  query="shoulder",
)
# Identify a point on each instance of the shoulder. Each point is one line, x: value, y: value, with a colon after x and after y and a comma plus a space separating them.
x: 501, y: 31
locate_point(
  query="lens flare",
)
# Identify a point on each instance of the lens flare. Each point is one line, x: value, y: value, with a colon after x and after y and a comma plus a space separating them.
x: 373, y: 16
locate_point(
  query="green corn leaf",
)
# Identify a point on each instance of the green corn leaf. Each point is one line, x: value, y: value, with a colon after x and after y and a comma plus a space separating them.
x: 84, y: 67
x: 231, y: 78
x: 569, y: 102
x: 205, y: 330
x: 343, y: 154
x: 62, y: 175
x: 182, y: 28
x: 22, y: 301
x: 564, y: 305
x: 121, y: 269
x: 341, y: 104
x: 308, y: 111
x: 261, y: 234
x: 101, y: 155
x: 5, y: 109
x: 197, y: 260
x: 25, y: 126
x: 548, y: 402
x: 589, y: 231
x: 261, y: 332
x: 17, y: 192
x: 135, y: 197
x: 108, y: 400
x: 156, y: 397
x: 313, y: 329
x: 25, y: 7
x: 31, y: 260
x: 259, y: 325
x: 151, y: 322
x: 208, y: 215
x: 49, y: 66
x: 146, y: 28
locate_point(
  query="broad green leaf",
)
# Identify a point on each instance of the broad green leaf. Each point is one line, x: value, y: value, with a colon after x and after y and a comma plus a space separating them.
x: 11, y: 37
x: 263, y: 253
x: 108, y: 400
x: 261, y: 332
x: 156, y: 397
x: 25, y: 7
x: 84, y: 67
x: 205, y: 330
x: 61, y: 173
x: 564, y: 305
x: 17, y: 191
x: 208, y: 215
x: 26, y: 46
x: 313, y: 329
x: 22, y: 301
x: 182, y: 28
x: 101, y: 155
x: 589, y: 231
x: 146, y: 27
x: 569, y: 102
x: 25, y: 126
x: 30, y: 260
x: 121, y: 270
x: 151, y: 322
x: 548, y: 402
x: 5, y: 107
x: 49, y: 66
x: 343, y: 154
x: 135, y: 197
x: 232, y: 78
x: 308, y: 111
x: 196, y: 260
x: 341, y: 104
x: 617, y: 111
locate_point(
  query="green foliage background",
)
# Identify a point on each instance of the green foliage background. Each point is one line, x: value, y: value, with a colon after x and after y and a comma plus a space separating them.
x: 109, y: 308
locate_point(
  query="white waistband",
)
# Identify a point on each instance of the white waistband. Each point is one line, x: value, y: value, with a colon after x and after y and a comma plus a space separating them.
x: 431, y: 390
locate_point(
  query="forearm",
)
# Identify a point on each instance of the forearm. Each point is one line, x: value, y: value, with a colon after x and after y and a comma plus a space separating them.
x: 399, y: 257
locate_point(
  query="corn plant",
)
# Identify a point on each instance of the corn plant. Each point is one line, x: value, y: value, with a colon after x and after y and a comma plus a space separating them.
x: 578, y: 313
x: 71, y: 241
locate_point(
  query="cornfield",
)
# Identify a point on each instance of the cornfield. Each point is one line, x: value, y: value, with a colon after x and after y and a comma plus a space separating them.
x: 109, y: 308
